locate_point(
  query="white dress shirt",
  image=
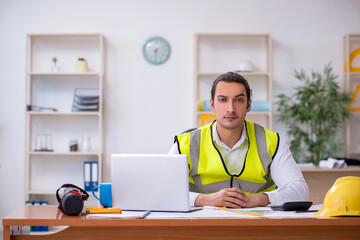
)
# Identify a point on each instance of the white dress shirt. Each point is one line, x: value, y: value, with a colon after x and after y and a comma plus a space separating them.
x: 287, y: 176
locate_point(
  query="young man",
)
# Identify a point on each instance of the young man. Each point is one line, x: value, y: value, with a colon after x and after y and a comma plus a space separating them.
x: 235, y: 162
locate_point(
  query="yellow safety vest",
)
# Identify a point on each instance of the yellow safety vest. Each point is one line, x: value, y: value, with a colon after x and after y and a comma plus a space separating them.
x: 208, y: 172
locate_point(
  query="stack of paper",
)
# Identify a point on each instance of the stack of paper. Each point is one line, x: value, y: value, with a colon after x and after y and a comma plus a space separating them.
x: 332, y: 163
x: 123, y: 214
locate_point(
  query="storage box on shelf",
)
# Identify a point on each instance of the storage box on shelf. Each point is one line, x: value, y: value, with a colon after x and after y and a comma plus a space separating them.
x: 51, y: 81
x: 247, y: 54
x: 352, y: 85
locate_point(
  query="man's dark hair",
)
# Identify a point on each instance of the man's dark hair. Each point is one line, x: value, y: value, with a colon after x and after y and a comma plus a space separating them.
x: 231, y: 77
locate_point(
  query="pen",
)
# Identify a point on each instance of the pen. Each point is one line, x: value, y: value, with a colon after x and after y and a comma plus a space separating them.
x: 146, y: 214
x: 301, y: 211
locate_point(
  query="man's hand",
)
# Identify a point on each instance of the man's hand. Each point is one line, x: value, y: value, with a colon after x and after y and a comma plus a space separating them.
x: 233, y: 198
x: 257, y: 200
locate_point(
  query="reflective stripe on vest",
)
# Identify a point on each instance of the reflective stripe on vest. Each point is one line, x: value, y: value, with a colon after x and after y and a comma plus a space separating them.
x: 247, y: 186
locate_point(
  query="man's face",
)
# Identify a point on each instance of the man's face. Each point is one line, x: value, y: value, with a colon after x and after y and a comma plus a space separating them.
x: 230, y: 105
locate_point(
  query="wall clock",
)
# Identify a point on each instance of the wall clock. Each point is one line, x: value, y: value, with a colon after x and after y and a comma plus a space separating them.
x: 156, y: 50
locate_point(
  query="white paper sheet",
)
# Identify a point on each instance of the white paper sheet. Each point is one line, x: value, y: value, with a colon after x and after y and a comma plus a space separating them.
x: 259, y: 212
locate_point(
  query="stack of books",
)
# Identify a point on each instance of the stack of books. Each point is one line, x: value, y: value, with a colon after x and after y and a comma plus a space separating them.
x: 86, y: 99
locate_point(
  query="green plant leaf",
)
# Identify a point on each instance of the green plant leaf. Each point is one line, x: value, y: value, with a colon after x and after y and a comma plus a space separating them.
x: 314, y: 114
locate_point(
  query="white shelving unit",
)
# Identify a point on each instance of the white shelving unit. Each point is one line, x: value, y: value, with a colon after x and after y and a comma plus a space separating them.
x: 45, y: 171
x: 351, y: 82
x: 216, y: 54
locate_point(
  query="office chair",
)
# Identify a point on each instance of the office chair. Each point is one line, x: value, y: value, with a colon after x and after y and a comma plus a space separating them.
x: 189, y: 130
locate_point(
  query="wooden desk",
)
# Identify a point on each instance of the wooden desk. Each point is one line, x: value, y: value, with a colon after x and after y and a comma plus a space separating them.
x: 320, y: 180
x: 197, y: 229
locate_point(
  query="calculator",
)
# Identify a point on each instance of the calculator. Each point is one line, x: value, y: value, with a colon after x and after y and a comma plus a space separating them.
x: 292, y: 206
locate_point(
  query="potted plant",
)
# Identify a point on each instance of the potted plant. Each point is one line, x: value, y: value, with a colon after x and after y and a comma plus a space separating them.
x: 313, y: 115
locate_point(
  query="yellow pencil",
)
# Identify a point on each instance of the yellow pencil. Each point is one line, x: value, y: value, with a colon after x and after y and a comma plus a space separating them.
x: 103, y: 210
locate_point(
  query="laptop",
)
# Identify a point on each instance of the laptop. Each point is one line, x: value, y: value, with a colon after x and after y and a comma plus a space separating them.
x: 156, y: 182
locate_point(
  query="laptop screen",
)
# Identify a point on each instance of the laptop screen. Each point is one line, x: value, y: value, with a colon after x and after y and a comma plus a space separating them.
x: 157, y: 182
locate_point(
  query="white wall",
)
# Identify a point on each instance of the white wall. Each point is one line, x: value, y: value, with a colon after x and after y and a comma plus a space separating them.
x: 146, y: 105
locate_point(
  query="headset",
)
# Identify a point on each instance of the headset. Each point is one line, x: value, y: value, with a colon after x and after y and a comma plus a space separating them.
x: 72, y: 202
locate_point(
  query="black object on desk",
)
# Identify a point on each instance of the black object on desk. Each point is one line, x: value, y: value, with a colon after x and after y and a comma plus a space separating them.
x: 293, y: 206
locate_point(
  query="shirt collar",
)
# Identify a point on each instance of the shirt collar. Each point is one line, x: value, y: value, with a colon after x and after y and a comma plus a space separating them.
x: 217, y: 140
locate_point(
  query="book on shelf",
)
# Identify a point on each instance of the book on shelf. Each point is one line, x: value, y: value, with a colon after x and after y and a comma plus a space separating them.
x: 86, y: 99
x: 91, y: 175
x: 38, y: 228
x: 260, y: 106
x: 79, y: 107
